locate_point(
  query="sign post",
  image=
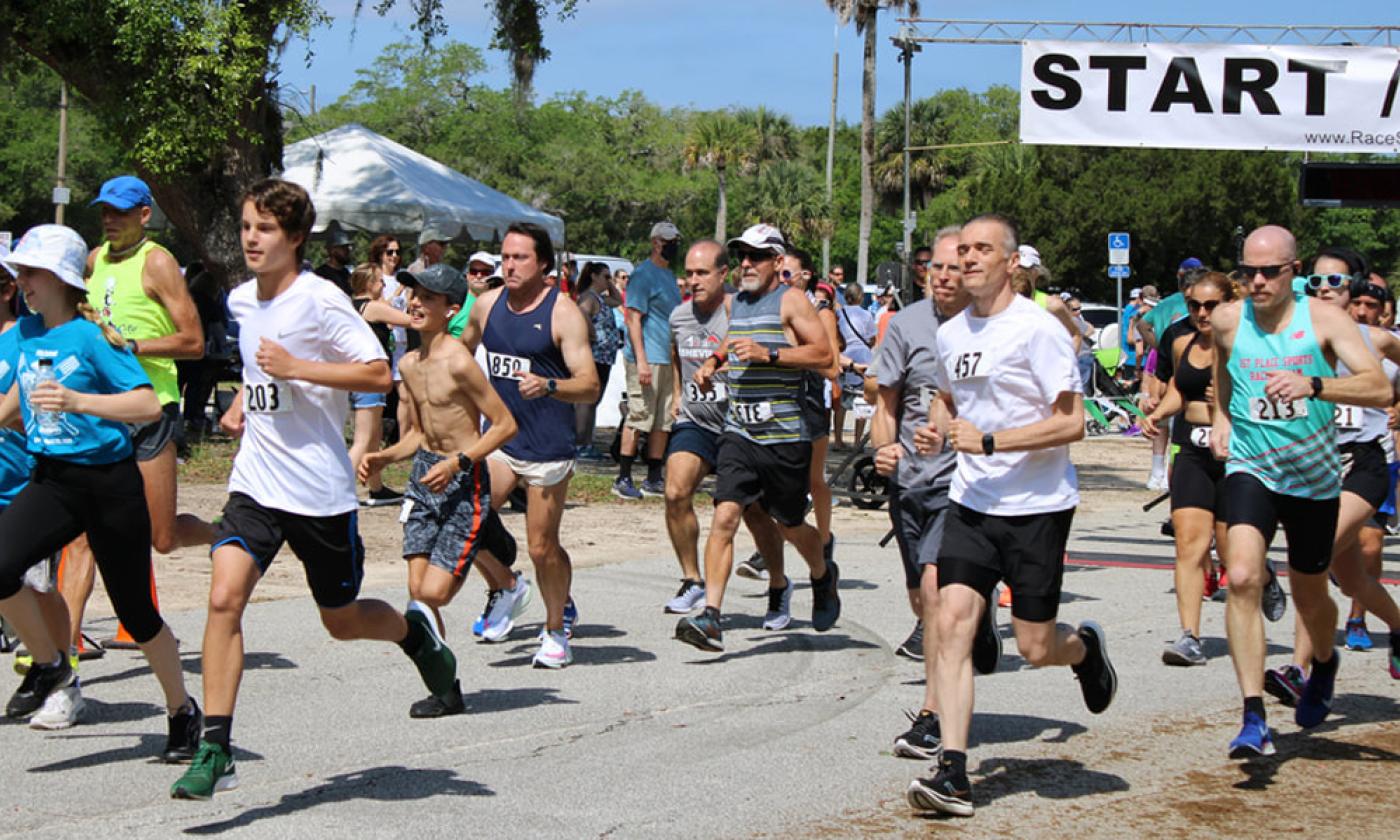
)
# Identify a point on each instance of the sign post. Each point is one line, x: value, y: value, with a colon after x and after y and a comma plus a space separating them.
x: 1119, y: 242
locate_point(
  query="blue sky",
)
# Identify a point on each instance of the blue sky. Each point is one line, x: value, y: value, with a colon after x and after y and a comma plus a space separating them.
x: 718, y: 53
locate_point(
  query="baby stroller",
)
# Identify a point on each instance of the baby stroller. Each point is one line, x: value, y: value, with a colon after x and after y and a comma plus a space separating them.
x: 1108, y: 405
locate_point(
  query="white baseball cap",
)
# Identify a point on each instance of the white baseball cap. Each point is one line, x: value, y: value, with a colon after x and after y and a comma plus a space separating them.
x: 1030, y: 257
x: 53, y: 248
x: 1134, y: 294
x: 763, y: 238
x: 483, y: 257
x: 5, y: 252
x: 665, y: 230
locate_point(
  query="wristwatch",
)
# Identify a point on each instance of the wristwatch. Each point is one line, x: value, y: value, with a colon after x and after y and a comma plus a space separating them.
x: 464, y: 463
x: 1316, y: 387
x: 989, y: 444
x: 551, y: 385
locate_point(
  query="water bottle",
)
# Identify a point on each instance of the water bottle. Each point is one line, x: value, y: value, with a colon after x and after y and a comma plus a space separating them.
x: 48, y: 420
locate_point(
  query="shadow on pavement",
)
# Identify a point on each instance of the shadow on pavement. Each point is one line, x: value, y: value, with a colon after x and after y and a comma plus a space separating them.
x: 509, y: 699
x: 192, y: 664
x: 788, y: 642
x: 1048, y: 778
x: 385, y: 784
x: 584, y: 654
x: 147, y: 748
x: 1359, y: 709
x: 996, y: 728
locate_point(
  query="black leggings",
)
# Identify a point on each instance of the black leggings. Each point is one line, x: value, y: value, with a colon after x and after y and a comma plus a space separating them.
x: 108, y: 503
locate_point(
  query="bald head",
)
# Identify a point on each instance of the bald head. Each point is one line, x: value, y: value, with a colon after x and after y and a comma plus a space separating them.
x: 1272, y: 243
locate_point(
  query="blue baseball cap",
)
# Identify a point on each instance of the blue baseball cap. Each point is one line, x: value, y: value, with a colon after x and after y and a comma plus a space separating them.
x: 124, y: 192
x: 1189, y: 263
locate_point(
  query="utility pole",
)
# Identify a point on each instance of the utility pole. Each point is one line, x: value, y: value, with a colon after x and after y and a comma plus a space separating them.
x: 907, y: 48
x: 831, y: 139
x: 61, y: 192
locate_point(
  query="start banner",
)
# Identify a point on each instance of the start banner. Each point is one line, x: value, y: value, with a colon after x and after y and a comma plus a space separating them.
x: 1211, y: 96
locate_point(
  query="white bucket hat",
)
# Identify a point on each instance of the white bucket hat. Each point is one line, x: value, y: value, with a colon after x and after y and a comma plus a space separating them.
x: 54, y: 248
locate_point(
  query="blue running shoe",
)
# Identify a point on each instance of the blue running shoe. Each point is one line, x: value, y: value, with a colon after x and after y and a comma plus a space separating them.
x: 623, y: 488
x: 1316, y: 700
x: 1357, y: 637
x: 1254, y: 739
x: 570, y: 617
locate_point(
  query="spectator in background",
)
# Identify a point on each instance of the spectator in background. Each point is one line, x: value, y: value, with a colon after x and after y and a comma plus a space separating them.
x: 1086, y: 342
x: 198, y: 377
x: 1127, y: 363
x: 1172, y: 308
x: 432, y: 247
x: 336, y: 268
x: 881, y: 304
x: 597, y: 297
x: 367, y: 288
x: 836, y: 275
x: 857, y: 329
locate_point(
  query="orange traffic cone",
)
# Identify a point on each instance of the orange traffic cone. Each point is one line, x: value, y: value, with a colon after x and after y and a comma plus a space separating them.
x: 84, y: 650
x: 123, y: 640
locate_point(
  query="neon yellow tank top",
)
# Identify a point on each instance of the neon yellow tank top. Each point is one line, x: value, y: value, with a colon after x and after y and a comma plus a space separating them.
x: 115, y: 291
x: 1041, y: 299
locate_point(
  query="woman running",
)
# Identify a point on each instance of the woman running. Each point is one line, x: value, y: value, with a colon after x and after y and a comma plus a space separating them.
x: 366, y: 292
x: 76, y: 387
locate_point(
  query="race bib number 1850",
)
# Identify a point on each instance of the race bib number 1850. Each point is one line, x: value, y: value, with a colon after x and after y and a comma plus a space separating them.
x: 266, y: 398
x: 1266, y: 411
x: 503, y: 366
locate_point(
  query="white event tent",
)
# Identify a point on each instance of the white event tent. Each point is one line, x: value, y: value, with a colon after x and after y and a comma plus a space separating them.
x: 364, y: 181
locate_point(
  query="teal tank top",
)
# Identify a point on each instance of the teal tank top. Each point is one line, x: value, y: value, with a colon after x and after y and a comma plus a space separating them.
x: 764, y: 400
x: 1290, y: 447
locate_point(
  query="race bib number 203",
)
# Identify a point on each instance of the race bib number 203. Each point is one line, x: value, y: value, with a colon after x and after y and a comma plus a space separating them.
x: 266, y: 398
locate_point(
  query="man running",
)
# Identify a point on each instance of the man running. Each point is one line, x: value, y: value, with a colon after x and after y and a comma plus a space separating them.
x: 303, y: 347
x: 1273, y: 425
x: 1007, y: 372
x: 539, y: 361
x: 774, y: 335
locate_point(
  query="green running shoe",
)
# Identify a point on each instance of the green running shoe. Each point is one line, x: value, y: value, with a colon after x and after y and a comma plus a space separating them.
x: 436, y: 664
x: 211, y: 771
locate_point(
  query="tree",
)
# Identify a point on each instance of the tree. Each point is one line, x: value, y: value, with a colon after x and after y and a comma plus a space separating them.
x: 792, y: 196
x: 716, y: 141
x: 775, y: 138
x: 926, y: 168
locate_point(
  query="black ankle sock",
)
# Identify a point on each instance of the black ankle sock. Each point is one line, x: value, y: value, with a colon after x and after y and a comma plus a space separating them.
x: 712, y: 612
x: 218, y: 729
x: 624, y: 466
x: 1255, y: 705
x: 1328, y: 667
x: 413, y: 641
x: 654, y: 469
x: 954, y: 762
x: 1394, y: 640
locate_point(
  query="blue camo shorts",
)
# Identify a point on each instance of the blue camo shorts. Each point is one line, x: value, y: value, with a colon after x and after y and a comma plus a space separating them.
x: 445, y: 527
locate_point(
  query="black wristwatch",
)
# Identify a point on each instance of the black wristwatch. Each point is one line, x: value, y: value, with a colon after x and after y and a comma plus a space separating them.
x: 464, y: 463
x: 551, y: 385
x: 989, y: 444
x: 1317, y: 387
x: 772, y: 355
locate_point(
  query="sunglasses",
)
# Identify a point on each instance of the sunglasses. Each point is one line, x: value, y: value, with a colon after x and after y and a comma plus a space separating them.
x: 753, y: 256
x: 922, y: 262
x: 1331, y: 281
x: 788, y: 275
x: 392, y: 251
x: 1208, y: 306
x: 478, y: 272
x: 1269, y: 271
x: 1075, y: 309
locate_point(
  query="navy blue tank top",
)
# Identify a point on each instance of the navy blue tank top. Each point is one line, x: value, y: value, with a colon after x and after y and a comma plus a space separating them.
x: 518, y: 343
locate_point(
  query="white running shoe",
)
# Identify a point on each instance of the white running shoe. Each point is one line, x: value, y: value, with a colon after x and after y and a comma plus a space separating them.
x: 554, y: 651
x: 61, y: 708
x: 505, y: 609
x: 779, y: 614
x: 688, y: 597
x: 1157, y: 481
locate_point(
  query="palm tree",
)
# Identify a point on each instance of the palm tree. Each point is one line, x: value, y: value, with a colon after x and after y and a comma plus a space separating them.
x: 775, y: 137
x: 928, y: 169
x: 864, y: 12
x: 717, y: 141
x: 791, y: 196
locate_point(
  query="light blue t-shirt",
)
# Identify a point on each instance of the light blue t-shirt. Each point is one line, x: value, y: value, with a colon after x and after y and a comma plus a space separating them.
x: 653, y: 292
x: 83, y: 361
x: 627, y: 354
x: 1125, y: 340
x: 15, y: 463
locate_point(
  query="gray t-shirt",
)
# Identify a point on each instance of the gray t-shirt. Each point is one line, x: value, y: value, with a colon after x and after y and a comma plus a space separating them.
x: 696, y: 341
x: 907, y: 361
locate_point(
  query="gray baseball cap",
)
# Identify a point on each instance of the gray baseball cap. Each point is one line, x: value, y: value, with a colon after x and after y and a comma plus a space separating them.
x: 441, y: 279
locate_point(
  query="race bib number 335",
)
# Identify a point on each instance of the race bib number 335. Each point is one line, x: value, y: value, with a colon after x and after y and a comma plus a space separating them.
x: 266, y: 398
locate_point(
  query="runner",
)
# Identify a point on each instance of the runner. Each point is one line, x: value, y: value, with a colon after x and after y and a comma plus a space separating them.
x: 1338, y: 280
x: 303, y: 346
x: 136, y: 286
x: 1007, y: 372
x: 539, y: 362
x: 1274, y: 395
x: 764, y: 452
x: 1197, y: 478
x: 906, y: 366
x: 820, y: 390
x: 449, y: 492
x: 76, y: 387
x: 698, y: 328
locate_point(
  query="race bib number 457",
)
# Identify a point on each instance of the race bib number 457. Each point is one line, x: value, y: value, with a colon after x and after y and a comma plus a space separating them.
x: 266, y: 398
x: 1264, y: 410
x: 503, y: 366
x: 970, y: 365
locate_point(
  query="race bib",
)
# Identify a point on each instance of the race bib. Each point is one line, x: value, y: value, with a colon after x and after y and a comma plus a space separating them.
x: 974, y: 364
x: 406, y: 511
x: 695, y: 394
x: 927, y: 394
x: 503, y: 366
x: 1200, y: 437
x: 751, y: 414
x: 266, y: 398
x: 1347, y: 417
x: 861, y: 409
x: 1263, y: 410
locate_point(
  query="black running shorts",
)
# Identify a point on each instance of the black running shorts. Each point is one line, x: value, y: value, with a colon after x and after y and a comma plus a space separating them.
x: 1198, y: 481
x: 919, y: 516
x: 1364, y: 472
x: 775, y: 476
x: 150, y: 439
x: 328, y: 547
x: 1027, y: 552
x: 1309, y: 524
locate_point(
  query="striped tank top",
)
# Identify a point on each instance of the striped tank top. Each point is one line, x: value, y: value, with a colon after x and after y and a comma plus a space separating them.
x: 1291, y: 447
x: 1357, y: 424
x: 764, y: 400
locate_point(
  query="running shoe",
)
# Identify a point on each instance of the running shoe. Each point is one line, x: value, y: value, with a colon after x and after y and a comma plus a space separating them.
x: 554, y: 652
x: 23, y: 660
x: 1315, y: 700
x: 37, y: 685
x: 383, y: 497
x: 986, y: 645
x: 434, y: 660
x: 1222, y: 592
x: 829, y: 547
x: 1004, y: 598
x: 753, y: 568
x: 702, y: 631
x: 433, y: 706
x: 913, y: 647
x: 826, y: 600
x: 1273, y: 600
x: 503, y: 608
x: 1357, y: 636
x: 588, y: 453
x: 1097, y: 679
x: 1394, y: 662
x: 945, y: 793
x: 779, y: 614
x: 924, y: 740
x: 1212, y: 584
x: 570, y: 617
x: 185, y: 727
x: 1254, y: 739
x: 688, y: 597
x: 479, y: 625
x: 61, y: 708
x: 654, y: 488
x: 212, y: 771
x: 1184, y: 651
x: 1157, y: 480
x: 623, y: 488
x: 1284, y: 684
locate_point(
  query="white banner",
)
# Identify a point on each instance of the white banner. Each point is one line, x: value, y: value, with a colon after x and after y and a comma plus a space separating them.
x: 1211, y: 96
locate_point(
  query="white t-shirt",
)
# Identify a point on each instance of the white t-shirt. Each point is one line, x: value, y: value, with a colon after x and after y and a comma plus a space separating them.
x: 1005, y: 372
x: 292, y: 456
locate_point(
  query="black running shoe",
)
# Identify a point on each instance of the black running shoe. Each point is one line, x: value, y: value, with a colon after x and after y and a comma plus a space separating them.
x: 702, y: 631
x: 383, y: 497
x: 986, y: 645
x: 945, y: 793
x: 1273, y: 601
x: 826, y: 601
x: 183, y: 740
x: 1285, y: 684
x: 924, y: 739
x: 1097, y: 679
x: 433, y: 706
x: 38, y: 684
x: 754, y: 568
x: 913, y: 647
